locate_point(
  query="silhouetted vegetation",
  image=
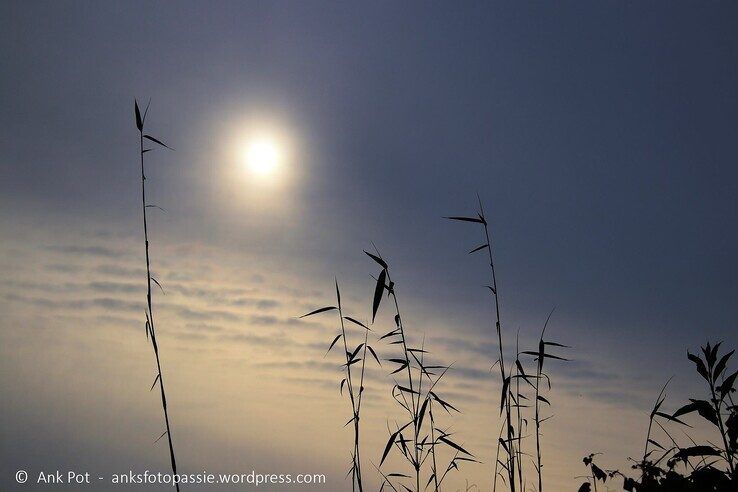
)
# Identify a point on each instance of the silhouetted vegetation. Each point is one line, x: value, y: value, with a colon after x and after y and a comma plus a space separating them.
x: 512, y: 398
x: 510, y: 444
x: 432, y: 452
x: 150, y: 326
x: 418, y: 400
x: 416, y: 395
x: 540, y: 356
x: 706, y: 466
x: 353, y: 356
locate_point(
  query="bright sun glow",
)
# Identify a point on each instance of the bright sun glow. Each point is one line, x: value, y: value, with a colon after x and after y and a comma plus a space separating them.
x: 263, y: 156
x: 260, y: 154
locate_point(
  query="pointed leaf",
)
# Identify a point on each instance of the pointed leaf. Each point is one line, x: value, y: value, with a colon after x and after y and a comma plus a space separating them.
x: 333, y: 343
x: 421, y: 414
x: 706, y: 411
x: 356, y: 351
x: 454, y: 445
x: 720, y: 366
x: 390, y: 334
x: 479, y: 248
x: 701, y: 369
x: 349, y: 318
x: 158, y: 376
x: 379, y: 260
x: 688, y: 408
x: 374, y: 354
x: 691, y: 451
x: 139, y: 121
x: 149, y: 137
x: 554, y: 344
x: 466, y: 219
x: 318, y: 311
x: 503, y: 398
x: 158, y: 284
x: 670, y: 417
x: 390, y: 442
x: 727, y: 385
x: 656, y: 444
x: 406, y: 390
x: 378, y: 290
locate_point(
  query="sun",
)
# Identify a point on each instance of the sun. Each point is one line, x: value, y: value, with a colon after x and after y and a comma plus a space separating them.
x: 263, y: 156
x: 260, y: 153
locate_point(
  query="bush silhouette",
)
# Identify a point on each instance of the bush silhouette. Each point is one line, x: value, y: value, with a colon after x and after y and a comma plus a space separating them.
x: 707, y: 466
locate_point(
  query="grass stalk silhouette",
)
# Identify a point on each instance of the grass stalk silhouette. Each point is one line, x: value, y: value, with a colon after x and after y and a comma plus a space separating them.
x: 511, y: 398
x: 508, y: 444
x: 540, y: 356
x: 150, y: 326
x: 416, y: 400
x: 516, y: 398
x: 497, y: 459
x: 651, y: 420
x: 352, y: 357
x: 384, y: 282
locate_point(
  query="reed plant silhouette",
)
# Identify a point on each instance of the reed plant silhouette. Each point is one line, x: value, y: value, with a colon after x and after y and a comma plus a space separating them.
x: 540, y: 357
x: 150, y: 325
x: 508, y: 442
x: 512, y: 397
x: 417, y: 396
x: 352, y: 357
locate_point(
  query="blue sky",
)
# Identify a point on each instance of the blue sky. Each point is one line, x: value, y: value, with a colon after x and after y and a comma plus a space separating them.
x: 600, y: 136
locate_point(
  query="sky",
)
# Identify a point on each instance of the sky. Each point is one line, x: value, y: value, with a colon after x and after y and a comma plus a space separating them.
x: 600, y: 137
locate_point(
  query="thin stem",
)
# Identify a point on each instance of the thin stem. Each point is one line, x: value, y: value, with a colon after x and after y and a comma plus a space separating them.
x: 414, y: 402
x: 538, y: 429
x: 519, y: 415
x: 363, y: 366
x: 356, y: 464
x: 434, y: 463
x: 650, y: 426
x: 433, y: 445
x: 498, y: 327
x: 539, y: 376
x: 497, y: 460
x: 152, y: 330
x: 417, y: 427
x: 673, y: 442
x: 358, y: 409
x: 721, y: 426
